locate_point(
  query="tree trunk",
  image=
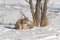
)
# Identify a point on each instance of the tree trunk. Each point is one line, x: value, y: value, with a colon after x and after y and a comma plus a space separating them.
x: 37, y: 14
x: 31, y: 7
x: 44, y: 20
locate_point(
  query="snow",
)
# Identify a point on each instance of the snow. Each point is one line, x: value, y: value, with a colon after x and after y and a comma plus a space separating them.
x: 37, y: 33
x: 11, y: 15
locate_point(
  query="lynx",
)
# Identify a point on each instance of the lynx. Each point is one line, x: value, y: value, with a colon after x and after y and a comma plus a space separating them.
x: 23, y: 24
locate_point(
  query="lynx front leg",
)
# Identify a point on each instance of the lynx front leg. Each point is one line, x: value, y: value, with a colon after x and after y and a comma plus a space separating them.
x: 20, y: 27
x: 24, y: 26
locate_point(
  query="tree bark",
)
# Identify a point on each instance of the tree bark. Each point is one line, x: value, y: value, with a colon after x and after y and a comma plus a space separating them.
x: 37, y: 14
x: 44, y: 20
x: 31, y: 7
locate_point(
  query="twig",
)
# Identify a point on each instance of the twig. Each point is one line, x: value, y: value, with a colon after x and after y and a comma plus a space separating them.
x: 25, y: 16
x: 51, y: 5
x: 27, y: 1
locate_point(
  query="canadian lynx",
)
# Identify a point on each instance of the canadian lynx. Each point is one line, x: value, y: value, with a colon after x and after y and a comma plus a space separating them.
x: 22, y: 24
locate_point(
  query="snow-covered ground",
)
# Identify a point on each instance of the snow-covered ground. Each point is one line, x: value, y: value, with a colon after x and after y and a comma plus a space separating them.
x: 10, y: 14
x: 52, y: 32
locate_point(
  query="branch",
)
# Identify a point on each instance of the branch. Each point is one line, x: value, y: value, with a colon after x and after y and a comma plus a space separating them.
x: 51, y: 5
x: 27, y: 1
x: 25, y: 16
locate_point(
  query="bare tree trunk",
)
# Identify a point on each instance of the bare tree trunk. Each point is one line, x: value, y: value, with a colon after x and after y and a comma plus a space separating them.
x: 44, y: 21
x: 37, y: 14
x: 31, y: 7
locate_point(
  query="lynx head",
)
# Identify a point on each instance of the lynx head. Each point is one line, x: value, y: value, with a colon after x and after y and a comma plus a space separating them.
x: 25, y: 20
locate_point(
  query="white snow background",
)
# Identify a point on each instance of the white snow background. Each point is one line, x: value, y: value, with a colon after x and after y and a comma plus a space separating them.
x: 10, y: 13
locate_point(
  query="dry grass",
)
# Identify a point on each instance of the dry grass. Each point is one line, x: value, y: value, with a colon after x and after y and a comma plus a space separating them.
x: 44, y: 22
